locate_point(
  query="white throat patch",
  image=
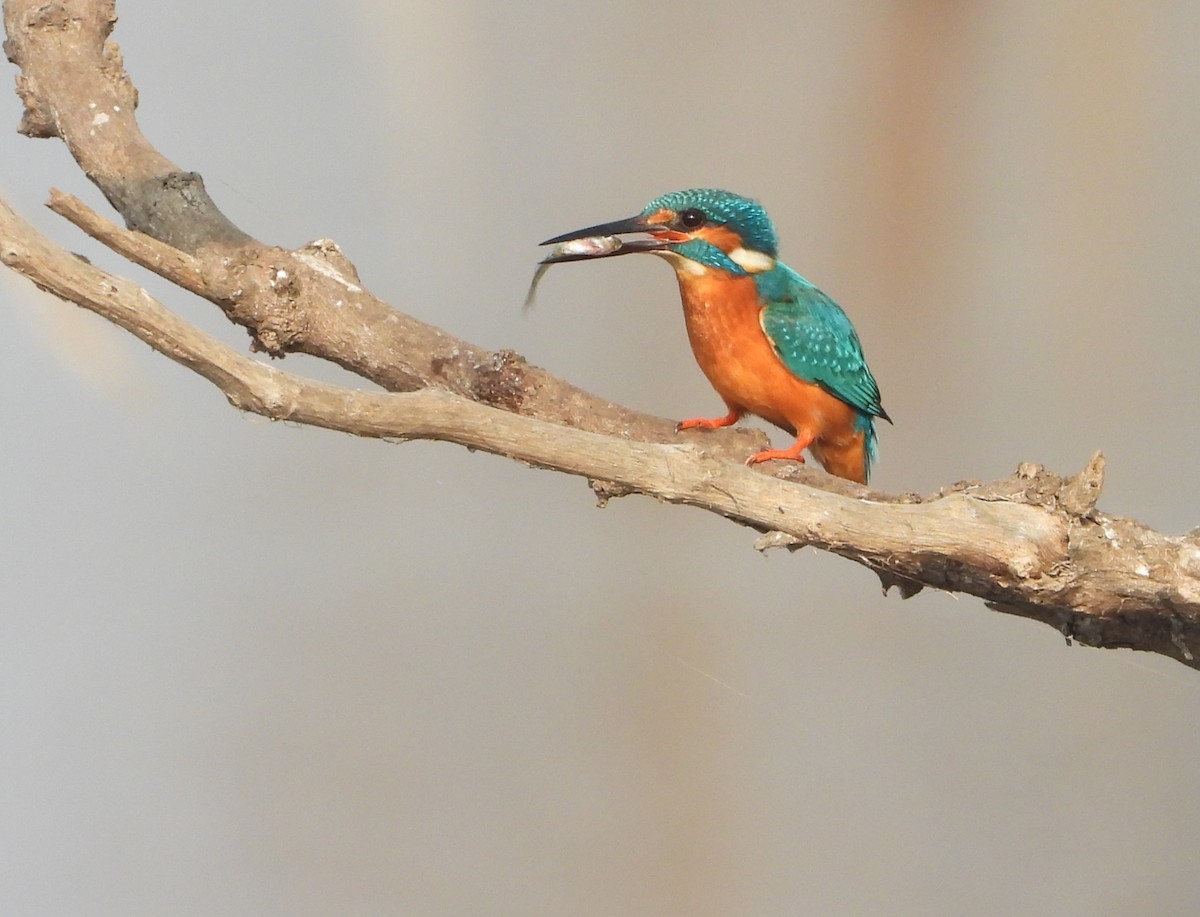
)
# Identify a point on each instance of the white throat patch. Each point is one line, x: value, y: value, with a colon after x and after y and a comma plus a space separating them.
x: 750, y: 261
x: 681, y: 264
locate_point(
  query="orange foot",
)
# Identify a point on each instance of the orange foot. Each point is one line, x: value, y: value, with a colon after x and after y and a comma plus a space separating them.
x: 791, y: 454
x: 700, y: 423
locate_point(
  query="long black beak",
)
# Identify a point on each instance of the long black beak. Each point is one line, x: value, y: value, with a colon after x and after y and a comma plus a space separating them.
x: 615, y: 228
x: 600, y: 241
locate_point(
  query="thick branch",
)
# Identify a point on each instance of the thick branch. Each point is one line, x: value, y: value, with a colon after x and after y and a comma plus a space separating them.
x: 1031, y: 544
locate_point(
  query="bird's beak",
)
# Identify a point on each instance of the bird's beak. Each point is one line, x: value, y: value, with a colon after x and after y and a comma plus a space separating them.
x: 599, y: 241
x: 618, y: 227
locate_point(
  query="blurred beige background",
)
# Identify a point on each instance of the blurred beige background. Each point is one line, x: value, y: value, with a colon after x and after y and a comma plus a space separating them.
x: 251, y: 669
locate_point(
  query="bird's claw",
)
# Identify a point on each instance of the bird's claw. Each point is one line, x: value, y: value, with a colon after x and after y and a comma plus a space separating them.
x: 705, y: 423
x: 772, y: 454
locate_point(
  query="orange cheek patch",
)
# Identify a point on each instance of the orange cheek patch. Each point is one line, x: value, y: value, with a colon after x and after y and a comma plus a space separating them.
x: 661, y: 216
x: 722, y: 237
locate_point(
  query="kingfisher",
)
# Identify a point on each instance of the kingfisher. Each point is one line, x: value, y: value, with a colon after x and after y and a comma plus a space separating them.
x: 769, y: 342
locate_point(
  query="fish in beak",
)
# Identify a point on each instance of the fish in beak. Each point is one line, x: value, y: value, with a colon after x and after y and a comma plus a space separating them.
x: 599, y: 241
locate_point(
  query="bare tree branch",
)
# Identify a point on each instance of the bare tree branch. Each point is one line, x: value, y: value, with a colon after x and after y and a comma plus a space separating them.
x: 1032, y: 544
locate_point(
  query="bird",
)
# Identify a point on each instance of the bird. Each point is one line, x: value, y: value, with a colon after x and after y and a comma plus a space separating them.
x: 770, y: 343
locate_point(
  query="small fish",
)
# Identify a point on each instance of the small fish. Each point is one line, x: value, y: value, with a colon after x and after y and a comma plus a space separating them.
x: 572, y: 250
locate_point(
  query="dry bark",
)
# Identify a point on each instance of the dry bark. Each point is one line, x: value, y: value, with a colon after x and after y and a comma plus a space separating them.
x: 1032, y: 544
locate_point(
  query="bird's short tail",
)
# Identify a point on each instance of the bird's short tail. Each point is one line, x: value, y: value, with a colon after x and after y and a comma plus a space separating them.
x: 870, y: 444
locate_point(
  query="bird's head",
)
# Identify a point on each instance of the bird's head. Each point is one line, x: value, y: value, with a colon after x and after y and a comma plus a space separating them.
x: 697, y: 230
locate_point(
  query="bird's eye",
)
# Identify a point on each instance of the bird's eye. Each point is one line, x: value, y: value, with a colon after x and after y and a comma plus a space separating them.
x: 692, y: 218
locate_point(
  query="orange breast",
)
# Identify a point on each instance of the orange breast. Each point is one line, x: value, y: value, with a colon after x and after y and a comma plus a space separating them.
x: 722, y: 316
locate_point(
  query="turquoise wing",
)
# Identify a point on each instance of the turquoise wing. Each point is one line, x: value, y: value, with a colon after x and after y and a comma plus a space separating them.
x: 816, y: 341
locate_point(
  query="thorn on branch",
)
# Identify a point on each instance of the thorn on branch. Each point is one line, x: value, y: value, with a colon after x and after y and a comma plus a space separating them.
x: 908, y: 587
x: 1067, y: 632
x: 771, y: 540
x: 1178, y: 641
x: 607, y: 490
x: 1078, y: 496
